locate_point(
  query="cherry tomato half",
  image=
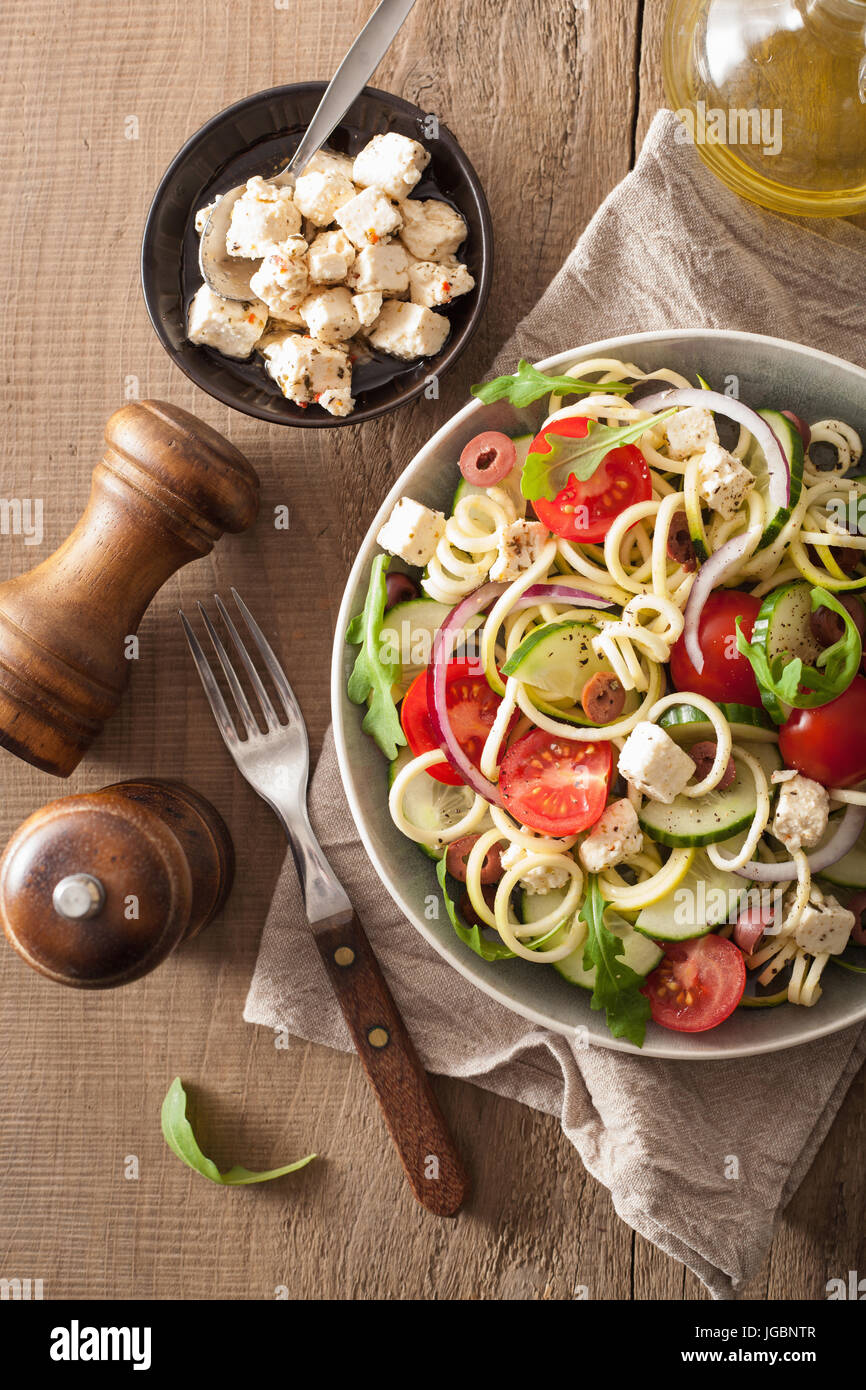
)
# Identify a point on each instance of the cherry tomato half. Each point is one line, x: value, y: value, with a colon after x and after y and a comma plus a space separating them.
x: 828, y: 744
x: 471, y: 706
x: 555, y: 785
x: 698, y: 984
x: 727, y: 675
x: 584, y: 511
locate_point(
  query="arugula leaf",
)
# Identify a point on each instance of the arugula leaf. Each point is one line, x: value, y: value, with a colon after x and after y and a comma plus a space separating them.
x: 179, y: 1136
x: 784, y: 674
x: 617, y: 986
x: 470, y: 936
x: 545, y: 475
x: 372, y: 678
x: 529, y: 384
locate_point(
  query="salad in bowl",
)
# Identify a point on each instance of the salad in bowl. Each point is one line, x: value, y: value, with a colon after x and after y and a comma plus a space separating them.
x: 618, y: 686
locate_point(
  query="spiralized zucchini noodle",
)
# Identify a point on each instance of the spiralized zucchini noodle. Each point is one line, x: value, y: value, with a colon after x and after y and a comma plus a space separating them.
x: 641, y: 584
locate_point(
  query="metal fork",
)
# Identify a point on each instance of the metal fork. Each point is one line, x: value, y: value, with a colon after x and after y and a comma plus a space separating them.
x: 276, y: 764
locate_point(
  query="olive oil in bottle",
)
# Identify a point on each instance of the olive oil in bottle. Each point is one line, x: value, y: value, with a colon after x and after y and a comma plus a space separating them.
x: 773, y: 94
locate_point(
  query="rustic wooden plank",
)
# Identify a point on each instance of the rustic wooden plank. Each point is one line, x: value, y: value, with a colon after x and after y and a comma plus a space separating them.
x: 83, y: 1077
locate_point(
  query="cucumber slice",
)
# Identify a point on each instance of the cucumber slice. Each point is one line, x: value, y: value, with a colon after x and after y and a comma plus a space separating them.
x: 789, y: 437
x: 702, y: 900
x: 782, y: 628
x: 511, y: 484
x: 556, y: 661
x: 695, y: 522
x: 685, y: 723
x: 640, y: 954
x: 716, y: 816
x: 429, y: 804
x: 850, y: 870
x: 782, y: 625
x: 409, y: 628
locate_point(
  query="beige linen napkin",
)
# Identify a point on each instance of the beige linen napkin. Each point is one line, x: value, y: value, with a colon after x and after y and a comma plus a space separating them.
x: 670, y: 248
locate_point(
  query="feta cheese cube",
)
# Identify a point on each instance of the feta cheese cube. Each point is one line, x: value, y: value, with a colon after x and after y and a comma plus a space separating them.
x: 724, y: 481
x: 339, y: 402
x: 201, y: 217
x: 329, y: 162
x: 542, y: 878
x: 281, y: 280
x: 431, y: 284
x: 615, y: 836
x: 431, y: 229
x: 305, y: 370
x: 802, y: 812
x: 690, y: 430
x: 368, y: 217
x: 330, y: 315
x: 654, y: 764
x: 367, y: 306
x: 412, y: 532
x: 329, y: 258
x: 263, y: 217
x: 825, y: 926
x: 320, y: 194
x: 231, y: 326
x: 518, y: 545
x: 391, y: 162
x: 384, y: 268
x: 409, y: 330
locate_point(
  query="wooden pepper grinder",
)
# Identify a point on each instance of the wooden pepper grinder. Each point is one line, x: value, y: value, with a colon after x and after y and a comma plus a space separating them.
x: 167, y: 488
x: 96, y: 890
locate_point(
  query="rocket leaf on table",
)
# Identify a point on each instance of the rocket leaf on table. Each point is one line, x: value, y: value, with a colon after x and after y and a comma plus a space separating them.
x: 373, y: 677
x: 179, y: 1136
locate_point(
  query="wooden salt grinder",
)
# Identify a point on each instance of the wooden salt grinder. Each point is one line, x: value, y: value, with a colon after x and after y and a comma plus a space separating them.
x: 96, y: 890
x: 167, y: 488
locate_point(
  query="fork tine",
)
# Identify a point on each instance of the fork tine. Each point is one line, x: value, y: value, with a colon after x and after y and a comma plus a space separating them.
x: 235, y: 686
x: 264, y: 698
x: 278, y: 675
x: 211, y: 689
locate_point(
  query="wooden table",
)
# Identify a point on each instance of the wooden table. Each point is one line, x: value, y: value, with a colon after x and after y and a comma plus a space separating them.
x: 550, y: 98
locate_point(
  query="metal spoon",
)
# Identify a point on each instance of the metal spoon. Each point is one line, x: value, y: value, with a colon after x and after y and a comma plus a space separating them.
x: 229, y: 276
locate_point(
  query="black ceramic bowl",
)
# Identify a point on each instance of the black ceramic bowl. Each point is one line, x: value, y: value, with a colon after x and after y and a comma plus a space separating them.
x: 257, y: 136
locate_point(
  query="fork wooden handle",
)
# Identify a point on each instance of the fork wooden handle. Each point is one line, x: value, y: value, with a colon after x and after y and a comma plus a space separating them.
x: 410, y: 1109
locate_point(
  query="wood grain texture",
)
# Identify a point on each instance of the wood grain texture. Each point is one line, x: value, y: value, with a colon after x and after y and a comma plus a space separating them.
x: 547, y: 97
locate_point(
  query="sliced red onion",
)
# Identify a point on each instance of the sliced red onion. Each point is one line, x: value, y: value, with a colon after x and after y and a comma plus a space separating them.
x: 711, y: 573
x: 845, y: 838
x: 777, y: 462
x: 443, y: 649
x: 558, y: 592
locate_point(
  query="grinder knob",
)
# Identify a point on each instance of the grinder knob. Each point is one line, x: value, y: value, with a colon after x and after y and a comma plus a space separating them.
x: 96, y: 890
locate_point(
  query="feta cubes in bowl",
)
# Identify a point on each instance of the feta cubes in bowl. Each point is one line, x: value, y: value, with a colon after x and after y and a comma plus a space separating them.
x: 366, y: 281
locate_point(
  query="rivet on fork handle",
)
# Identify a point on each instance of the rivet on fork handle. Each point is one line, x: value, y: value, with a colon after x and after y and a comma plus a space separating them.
x: 433, y: 1167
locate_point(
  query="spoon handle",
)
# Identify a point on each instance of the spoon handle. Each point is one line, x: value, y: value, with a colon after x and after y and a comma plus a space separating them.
x: 352, y: 76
